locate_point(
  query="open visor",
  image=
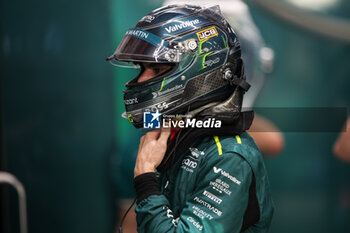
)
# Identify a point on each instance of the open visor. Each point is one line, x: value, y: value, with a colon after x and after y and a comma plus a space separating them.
x: 142, y: 46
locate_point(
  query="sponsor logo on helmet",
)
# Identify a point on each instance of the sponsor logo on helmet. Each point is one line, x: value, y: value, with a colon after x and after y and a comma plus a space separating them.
x: 157, y: 107
x: 137, y: 33
x: 131, y: 101
x: 159, y: 93
x: 185, y: 24
x: 207, y: 33
x: 148, y: 18
x: 211, y: 62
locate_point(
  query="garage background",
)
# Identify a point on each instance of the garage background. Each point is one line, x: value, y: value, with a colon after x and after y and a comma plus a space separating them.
x: 62, y: 135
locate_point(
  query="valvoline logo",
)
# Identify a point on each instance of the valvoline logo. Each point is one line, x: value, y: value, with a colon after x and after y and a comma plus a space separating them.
x: 151, y: 120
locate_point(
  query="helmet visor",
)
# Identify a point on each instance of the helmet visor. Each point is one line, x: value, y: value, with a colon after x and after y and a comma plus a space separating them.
x: 142, y: 46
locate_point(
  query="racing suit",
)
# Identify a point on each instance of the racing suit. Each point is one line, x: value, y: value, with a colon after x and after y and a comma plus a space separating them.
x: 218, y: 185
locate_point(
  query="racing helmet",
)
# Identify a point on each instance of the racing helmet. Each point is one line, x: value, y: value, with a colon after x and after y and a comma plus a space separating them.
x: 203, y: 52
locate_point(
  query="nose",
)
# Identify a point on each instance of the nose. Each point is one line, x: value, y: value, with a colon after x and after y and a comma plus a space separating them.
x: 147, y: 74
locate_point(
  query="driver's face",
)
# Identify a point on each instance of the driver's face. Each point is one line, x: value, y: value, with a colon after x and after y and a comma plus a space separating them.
x: 152, y: 70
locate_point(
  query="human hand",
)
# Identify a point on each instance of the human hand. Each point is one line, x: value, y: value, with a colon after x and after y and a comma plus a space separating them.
x: 267, y: 136
x: 151, y: 152
x: 341, y: 147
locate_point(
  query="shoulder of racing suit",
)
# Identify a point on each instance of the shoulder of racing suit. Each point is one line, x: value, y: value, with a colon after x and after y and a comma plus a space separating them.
x: 219, y: 184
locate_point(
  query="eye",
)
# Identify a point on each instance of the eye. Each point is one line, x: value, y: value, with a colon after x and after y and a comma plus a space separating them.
x: 157, y: 70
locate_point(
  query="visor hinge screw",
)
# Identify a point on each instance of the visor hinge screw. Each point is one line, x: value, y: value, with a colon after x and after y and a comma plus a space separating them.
x: 228, y: 74
x: 192, y: 45
x: 183, y: 77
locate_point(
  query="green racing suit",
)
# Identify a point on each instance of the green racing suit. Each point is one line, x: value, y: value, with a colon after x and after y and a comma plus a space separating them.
x: 219, y: 185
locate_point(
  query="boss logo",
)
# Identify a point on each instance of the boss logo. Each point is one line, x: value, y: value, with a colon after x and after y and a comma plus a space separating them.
x: 157, y: 107
x: 207, y: 33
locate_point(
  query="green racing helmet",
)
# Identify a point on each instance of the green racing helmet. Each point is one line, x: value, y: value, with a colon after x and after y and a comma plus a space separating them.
x: 204, y: 54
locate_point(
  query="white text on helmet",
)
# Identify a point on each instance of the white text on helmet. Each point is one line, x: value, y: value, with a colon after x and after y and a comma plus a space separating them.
x: 182, y: 25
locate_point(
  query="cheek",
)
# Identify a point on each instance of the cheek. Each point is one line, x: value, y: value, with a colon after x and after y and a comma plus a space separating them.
x: 146, y: 75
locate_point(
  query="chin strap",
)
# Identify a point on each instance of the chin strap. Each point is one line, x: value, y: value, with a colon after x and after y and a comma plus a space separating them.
x: 242, y: 83
x: 237, y: 79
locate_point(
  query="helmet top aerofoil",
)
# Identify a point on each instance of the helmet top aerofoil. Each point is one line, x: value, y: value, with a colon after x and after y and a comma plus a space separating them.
x: 200, y: 46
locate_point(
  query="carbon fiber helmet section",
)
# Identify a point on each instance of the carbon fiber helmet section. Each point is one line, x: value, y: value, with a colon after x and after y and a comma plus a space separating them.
x: 202, y: 49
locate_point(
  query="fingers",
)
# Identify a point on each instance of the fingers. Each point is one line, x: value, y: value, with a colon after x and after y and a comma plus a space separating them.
x: 151, y: 152
x: 153, y: 135
x: 164, y: 134
x: 160, y: 135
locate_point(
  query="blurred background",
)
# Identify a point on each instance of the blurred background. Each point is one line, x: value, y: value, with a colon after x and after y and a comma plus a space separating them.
x: 62, y: 135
